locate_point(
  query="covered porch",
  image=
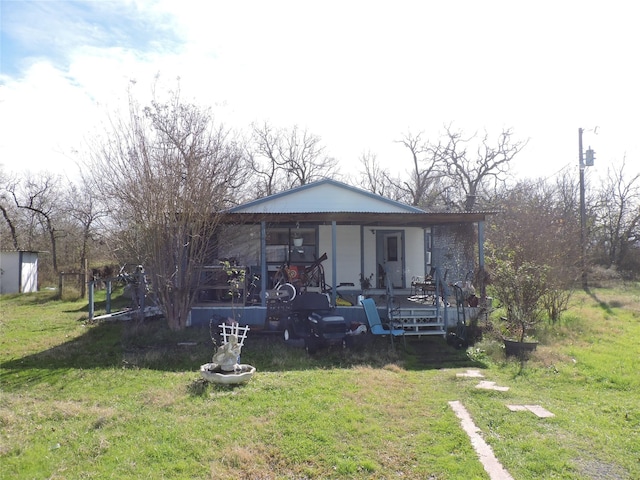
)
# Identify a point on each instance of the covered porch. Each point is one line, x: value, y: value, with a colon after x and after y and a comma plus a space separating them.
x: 337, y: 239
x: 401, y: 274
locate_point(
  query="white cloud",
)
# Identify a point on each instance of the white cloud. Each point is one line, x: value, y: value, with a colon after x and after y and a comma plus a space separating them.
x: 359, y: 74
x: 41, y: 117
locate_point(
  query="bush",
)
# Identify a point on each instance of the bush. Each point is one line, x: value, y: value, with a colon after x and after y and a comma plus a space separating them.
x: 520, y: 288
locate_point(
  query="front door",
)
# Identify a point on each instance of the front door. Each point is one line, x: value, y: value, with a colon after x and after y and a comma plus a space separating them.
x: 390, y: 255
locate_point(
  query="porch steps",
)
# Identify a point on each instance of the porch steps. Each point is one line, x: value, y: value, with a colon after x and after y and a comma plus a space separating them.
x: 417, y: 321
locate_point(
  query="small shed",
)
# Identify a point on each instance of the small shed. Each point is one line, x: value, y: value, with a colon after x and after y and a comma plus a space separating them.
x: 18, y: 272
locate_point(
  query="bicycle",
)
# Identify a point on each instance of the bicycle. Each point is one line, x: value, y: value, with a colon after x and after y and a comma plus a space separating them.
x: 281, y: 283
x: 313, y: 275
x: 252, y: 295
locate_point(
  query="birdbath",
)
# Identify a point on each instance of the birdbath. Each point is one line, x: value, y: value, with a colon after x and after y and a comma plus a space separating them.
x: 225, y: 367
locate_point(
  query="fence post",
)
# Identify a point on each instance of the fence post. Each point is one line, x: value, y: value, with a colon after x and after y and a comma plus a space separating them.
x: 91, y: 306
x: 142, y: 292
x: 83, y: 284
x: 108, y: 302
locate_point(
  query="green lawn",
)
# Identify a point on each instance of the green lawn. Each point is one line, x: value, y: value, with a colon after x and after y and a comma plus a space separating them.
x: 107, y: 400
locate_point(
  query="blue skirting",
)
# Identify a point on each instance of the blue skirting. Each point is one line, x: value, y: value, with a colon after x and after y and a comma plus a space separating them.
x: 257, y: 316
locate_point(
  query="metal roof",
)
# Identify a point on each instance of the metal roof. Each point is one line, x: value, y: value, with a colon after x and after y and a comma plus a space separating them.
x: 369, y: 219
x: 327, y: 201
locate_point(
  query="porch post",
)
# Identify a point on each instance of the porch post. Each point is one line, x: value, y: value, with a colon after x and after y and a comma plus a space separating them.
x: 263, y: 263
x: 334, y: 262
x: 361, y: 252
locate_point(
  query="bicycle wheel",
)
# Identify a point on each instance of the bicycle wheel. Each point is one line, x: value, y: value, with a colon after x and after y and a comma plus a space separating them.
x: 290, y: 289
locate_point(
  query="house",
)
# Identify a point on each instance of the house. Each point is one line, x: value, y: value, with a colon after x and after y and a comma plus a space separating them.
x: 371, y: 243
x: 18, y: 272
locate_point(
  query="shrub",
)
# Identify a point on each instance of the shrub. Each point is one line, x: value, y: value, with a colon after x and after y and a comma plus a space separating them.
x: 520, y: 288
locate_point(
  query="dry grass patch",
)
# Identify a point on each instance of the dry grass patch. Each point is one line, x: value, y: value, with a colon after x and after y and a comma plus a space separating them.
x: 256, y: 462
x: 157, y: 397
x: 549, y: 357
x: 594, y: 469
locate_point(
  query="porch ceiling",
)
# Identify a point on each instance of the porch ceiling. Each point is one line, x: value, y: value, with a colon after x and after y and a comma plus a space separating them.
x: 370, y: 219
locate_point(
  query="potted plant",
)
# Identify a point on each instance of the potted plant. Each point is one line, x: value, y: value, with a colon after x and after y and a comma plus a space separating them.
x: 365, y: 285
x: 365, y: 282
x: 296, y: 237
x: 520, y: 288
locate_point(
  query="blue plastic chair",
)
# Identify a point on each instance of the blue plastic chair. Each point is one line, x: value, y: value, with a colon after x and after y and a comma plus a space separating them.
x: 375, y: 324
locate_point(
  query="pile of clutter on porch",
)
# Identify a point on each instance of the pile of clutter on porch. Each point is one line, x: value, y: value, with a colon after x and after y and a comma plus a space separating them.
x: 299, y: 305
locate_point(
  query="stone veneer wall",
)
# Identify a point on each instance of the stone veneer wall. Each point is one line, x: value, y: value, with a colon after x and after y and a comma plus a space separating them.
x: 454, y: 250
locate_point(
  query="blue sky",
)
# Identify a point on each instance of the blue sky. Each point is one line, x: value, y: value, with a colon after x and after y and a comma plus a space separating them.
x: 50, y: 30
x: 359, y: 74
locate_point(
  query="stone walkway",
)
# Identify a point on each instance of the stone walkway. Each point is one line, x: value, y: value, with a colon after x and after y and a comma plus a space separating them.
x: 535, y: 409
x: 470, y: 374
x: 489, y: 461
x: 486, y: 385
x: 492, y: 466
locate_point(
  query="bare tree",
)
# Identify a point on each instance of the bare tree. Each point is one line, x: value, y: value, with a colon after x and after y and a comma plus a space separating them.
x: 618, y: 214
x: 475, y: 173
x: 304, y: 157
x: 374, y: 178
x: 7, y: 207
x: 263, y: 155
x: 12, y: 229
x: 288, y: 158
x: 539, y: 226
x: 168, y: 172
x: 424, y: 183
x: 85, y: 212
x: 40, y: 195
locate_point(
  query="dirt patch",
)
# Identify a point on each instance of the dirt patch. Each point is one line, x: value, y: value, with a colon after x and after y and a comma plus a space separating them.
x: 434, y: 352
x: 597, y: 470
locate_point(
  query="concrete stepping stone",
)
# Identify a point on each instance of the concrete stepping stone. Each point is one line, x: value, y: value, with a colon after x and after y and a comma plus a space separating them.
x: 537, y: 410
x: 470, y: 374
x: 483, y: 450
x: 486, y: 385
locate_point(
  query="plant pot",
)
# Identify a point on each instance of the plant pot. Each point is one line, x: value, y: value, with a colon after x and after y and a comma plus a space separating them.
x: 514, y: 348
x: 297, y: 242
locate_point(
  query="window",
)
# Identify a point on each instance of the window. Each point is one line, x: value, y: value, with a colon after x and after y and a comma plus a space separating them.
x: 294, y: 245
x: 392, y: 249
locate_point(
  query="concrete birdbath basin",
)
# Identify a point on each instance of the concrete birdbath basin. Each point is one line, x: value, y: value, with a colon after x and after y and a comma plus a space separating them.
x: 212, y: 372
x: 224, y: 367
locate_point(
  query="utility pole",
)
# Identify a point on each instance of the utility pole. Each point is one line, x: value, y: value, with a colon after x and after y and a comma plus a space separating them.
x: 583, y: 213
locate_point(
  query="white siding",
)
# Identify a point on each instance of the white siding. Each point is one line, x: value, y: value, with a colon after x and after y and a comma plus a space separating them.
x: 9, y: 272
x: 14, y: 277
x: 242, y: 243
x: 347, y: 255
x: 324, y: 198
x: 414, y: 251
x: 29, y: 278
x: 370, y: 262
